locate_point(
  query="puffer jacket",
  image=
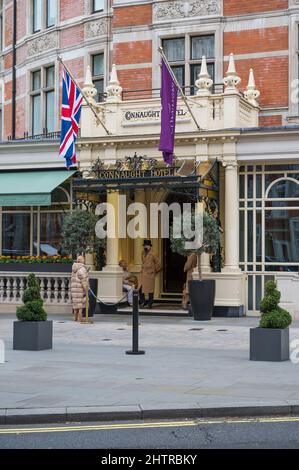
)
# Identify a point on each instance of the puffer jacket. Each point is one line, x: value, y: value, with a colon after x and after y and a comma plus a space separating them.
x: 79, y: 283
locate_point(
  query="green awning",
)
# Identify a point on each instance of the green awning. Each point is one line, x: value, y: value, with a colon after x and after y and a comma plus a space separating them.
x: 30, y: 188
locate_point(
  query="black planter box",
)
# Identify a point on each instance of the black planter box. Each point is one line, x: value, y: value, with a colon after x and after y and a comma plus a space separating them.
x: 32, y: 335
x: 36, y: 267
x: 202, y: 299
x: 269, y: 344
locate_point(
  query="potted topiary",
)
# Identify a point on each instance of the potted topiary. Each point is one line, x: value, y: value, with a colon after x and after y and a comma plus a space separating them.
x: 270, y: 341
x: 32, y: 331
x: 202, y: 292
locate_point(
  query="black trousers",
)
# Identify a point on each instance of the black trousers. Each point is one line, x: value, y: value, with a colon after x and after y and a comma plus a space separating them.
x: 142, y: 298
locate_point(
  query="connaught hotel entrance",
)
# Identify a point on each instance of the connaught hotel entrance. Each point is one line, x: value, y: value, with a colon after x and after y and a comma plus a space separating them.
x: 247, y: 177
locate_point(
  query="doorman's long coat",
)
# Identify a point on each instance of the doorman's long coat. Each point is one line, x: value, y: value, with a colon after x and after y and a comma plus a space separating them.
x: 79, y: 283
x: 150, y: 267
x: 189, y: 267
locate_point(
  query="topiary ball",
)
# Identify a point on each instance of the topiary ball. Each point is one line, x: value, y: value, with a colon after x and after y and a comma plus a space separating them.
x: 278, y: 318
x: 32, y: 311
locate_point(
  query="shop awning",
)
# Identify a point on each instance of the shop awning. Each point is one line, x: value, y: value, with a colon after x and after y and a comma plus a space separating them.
x: 30, y: 188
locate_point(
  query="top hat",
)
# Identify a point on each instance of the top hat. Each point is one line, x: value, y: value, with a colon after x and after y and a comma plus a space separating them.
x: 147, y: 243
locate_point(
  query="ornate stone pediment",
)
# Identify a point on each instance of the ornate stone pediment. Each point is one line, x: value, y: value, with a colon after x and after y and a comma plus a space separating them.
x: 43, y: 43
x: 186, y: 9
x: 96, y: 28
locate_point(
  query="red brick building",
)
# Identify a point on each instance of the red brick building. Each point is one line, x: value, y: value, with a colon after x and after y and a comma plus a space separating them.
x: 262, y: 34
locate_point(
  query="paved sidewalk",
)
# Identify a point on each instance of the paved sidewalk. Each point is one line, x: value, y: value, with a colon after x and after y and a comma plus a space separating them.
x: 189, y: 369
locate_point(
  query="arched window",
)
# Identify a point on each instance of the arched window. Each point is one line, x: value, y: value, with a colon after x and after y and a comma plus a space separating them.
x: 283, y: 188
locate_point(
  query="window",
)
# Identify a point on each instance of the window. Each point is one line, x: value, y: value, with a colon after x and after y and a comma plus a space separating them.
x: 35, y: 230
x: 98, y: 75
x: 175, y: 52
x: 43, y: 14
x: 201, y: 46
x: 185, y: 54
x: 269, y: 224
x: 43, y: 100
x: 97, y: 5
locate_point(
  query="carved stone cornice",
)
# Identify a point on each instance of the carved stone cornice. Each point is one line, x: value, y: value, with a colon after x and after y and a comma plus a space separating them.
x: 43, y: 43
x: 96, y: 28
x: 186, y: 9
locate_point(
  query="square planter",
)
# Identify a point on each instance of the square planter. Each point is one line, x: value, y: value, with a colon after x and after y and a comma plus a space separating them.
x: 32, y: 335
x: 269, y: 344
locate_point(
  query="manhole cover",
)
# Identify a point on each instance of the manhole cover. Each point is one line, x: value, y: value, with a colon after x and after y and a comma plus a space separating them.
x: 196, y: 329
x: 106, y: 339
x: 222, y: 330
x: 139, y: 378
x: 120, y: 329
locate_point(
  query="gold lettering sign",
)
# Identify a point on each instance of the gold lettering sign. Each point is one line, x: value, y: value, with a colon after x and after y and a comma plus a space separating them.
x: 155, y: 172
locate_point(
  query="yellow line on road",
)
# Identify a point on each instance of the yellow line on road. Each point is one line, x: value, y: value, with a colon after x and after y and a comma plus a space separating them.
x: 161, y: 424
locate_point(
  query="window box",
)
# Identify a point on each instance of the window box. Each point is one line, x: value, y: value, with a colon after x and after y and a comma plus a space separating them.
x: 36, y: 267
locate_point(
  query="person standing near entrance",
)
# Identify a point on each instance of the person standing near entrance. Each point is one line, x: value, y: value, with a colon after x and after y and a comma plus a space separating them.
x: 189, y: 267
x: 150, y: 268
x: 79, y: 286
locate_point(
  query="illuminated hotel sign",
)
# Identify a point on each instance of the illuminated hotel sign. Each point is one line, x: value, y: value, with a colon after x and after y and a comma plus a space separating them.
x: 131, y: 167
x: 142, y: 173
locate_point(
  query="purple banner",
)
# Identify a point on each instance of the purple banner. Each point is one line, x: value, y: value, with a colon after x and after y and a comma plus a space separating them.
x: 169, y: 96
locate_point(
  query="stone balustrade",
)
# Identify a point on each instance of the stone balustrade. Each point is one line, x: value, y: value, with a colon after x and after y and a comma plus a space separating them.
x: 55, y: 291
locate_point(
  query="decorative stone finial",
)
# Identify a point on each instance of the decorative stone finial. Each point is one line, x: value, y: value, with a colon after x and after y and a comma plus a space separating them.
x: 88, y: 87
x: 232, y: 80
x: 113, y: 90
x: 204, y: 82
x: 251, y: 94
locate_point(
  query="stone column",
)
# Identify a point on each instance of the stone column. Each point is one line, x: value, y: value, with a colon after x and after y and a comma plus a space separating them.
x: 110, y: 278
x: 231, y: 217
x: 135, y: 267
x: 205, y: 263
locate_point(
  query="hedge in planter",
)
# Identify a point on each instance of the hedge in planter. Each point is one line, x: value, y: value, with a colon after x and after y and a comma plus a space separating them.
x: 32, y: 332
x: 202, y: 292
x: 270, y: 342
x: 32, y: 310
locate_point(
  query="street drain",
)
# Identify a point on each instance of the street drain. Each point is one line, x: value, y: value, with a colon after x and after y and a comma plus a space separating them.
x: 196, y: 329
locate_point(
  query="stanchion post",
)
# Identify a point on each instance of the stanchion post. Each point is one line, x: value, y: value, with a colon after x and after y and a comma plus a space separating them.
x: 135, y: 324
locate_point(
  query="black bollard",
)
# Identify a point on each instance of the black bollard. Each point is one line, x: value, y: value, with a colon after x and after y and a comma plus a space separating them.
x: 135, y: 351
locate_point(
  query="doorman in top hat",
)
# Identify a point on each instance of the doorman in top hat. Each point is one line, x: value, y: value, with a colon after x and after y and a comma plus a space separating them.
x: 150, y: 268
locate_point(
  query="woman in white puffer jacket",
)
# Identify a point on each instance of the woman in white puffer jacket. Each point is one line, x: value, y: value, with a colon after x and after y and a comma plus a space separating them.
x: 79, y: 285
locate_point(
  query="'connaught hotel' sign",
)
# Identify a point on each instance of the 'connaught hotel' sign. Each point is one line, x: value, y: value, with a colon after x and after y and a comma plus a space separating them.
x: 140, y: 116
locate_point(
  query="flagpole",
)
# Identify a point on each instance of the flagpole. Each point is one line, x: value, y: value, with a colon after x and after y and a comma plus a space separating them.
x: 160, y: 49
x: 83, y: 94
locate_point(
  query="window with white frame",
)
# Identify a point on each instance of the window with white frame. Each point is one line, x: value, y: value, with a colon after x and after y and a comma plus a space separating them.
x: 269, y: 225
x: 97, y: 5
x: 185, y: 56
x: 43, y: 100
x: 31, y: 231
x: 44, y: 14
x: 98, y: 75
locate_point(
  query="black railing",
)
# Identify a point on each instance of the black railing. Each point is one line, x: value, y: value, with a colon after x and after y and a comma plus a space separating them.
x: 151, y: 93
x: 46, y: 135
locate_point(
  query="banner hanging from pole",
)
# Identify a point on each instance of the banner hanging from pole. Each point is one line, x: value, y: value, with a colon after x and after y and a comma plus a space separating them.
x: 169, y: 97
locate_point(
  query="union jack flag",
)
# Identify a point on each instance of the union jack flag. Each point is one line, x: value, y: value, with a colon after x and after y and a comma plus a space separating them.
x: 70, y: 118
